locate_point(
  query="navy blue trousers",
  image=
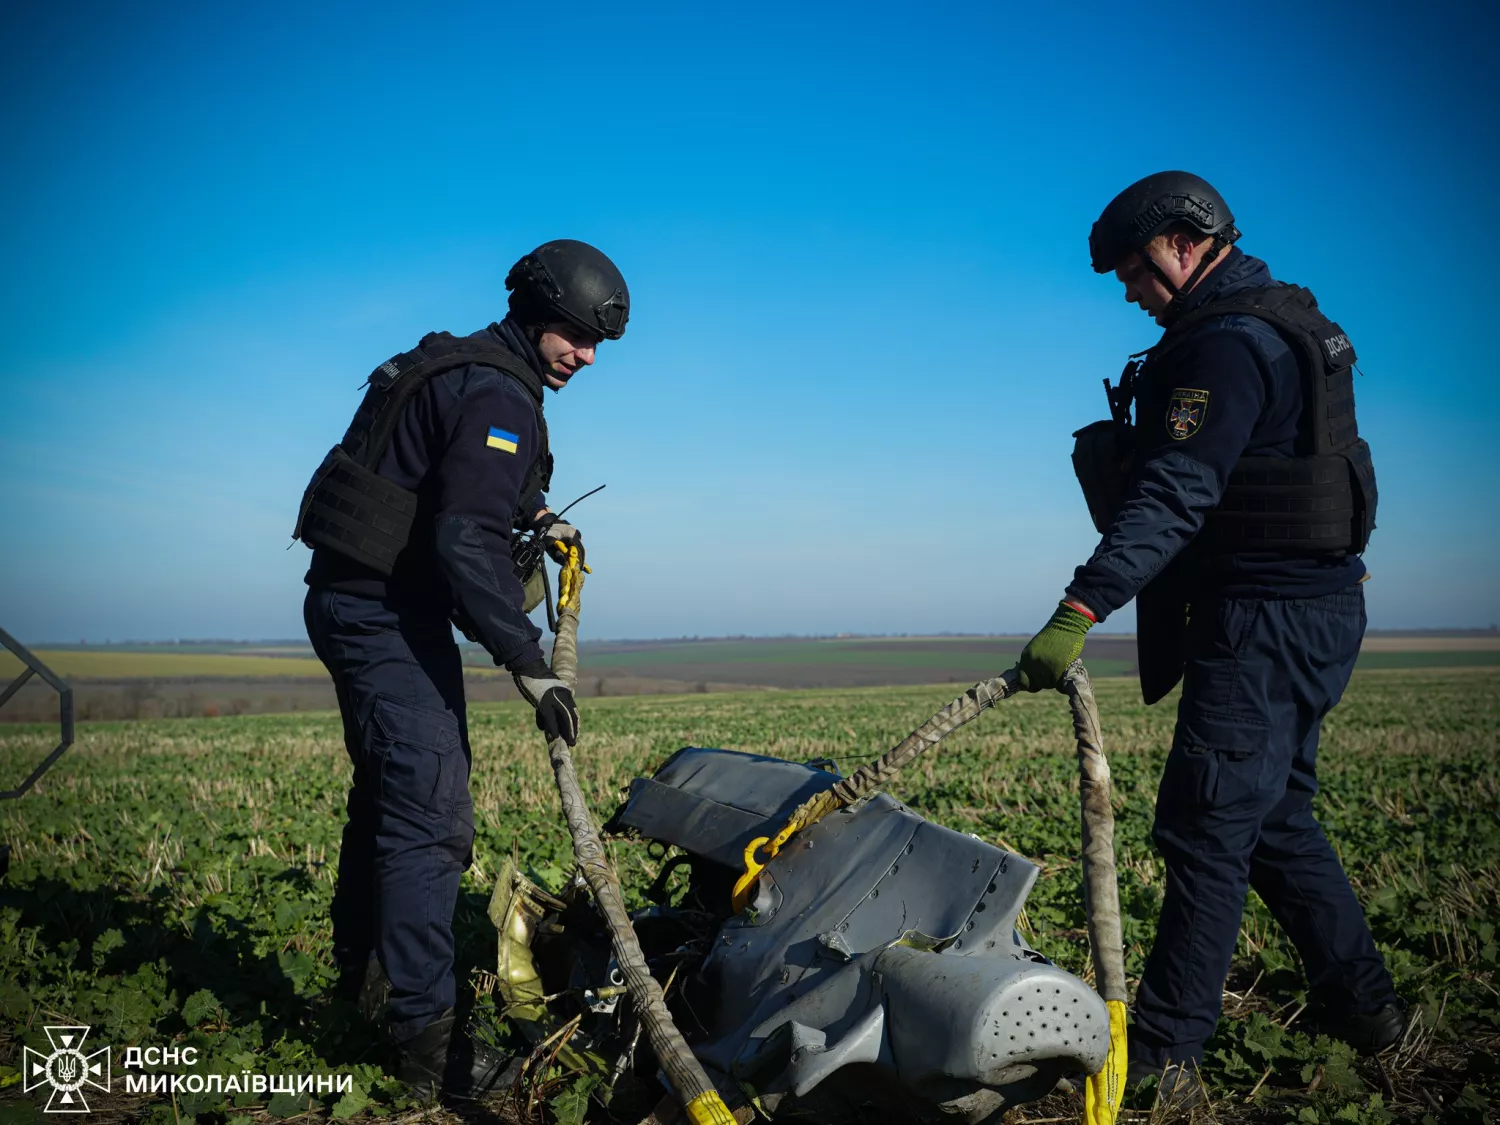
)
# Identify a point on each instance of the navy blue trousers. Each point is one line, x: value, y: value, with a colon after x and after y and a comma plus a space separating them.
x: 410, y: 831
x: 1235, y: 810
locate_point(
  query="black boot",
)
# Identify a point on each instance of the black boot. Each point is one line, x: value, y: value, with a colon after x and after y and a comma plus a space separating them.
x: 422, y: 1060
x: 437, y: 1061
x: 1369, y: 1033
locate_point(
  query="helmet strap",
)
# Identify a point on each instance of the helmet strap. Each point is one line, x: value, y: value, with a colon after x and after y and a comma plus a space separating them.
x: 1161, y: 275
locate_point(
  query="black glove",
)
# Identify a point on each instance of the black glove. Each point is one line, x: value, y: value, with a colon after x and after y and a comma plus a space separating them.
x: 556, y: 713
x: 557, y: 537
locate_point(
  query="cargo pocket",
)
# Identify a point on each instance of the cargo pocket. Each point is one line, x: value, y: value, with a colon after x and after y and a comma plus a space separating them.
x: 414, y: 749
x: 1219, y: 762
x: 1220, y: 640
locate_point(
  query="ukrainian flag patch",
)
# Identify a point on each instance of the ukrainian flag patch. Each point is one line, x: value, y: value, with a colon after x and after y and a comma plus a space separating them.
x: 502, y: 439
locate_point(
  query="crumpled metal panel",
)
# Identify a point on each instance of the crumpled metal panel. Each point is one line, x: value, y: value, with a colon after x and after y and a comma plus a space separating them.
x: 855, y: 882
x: 875, y: 936
x: 714, y: 802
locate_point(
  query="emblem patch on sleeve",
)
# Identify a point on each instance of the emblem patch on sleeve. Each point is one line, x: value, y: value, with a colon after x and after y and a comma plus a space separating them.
x: 1186, y: 411
x: 502, y: 439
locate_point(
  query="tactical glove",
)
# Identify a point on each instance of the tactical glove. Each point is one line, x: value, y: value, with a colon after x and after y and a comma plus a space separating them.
x: 556, y: 713
x: 1047, y: 655
x: 557, y: 537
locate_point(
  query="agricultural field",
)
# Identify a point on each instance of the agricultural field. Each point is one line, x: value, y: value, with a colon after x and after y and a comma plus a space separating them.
x: 170, y: 881
x: 830, y: 662
x: 211, y: 678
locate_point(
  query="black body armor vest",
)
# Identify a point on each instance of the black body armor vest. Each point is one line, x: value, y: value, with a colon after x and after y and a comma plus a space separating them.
x: 1320, y: 501
x: 348, y: 506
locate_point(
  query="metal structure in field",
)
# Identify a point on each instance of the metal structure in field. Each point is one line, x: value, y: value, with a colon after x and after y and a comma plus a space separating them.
x: 34, y: 667
x: 65, y: 717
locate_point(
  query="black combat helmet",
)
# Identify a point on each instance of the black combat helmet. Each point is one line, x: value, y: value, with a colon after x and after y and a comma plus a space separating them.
x: 1148, y: 207
x: 569, y: 280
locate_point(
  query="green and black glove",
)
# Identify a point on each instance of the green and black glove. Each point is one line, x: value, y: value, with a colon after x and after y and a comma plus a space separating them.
x: 1048, y: 654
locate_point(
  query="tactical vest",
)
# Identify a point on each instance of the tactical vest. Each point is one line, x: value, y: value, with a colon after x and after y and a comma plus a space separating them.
x: 1322, y: 500
x: 348, y: 506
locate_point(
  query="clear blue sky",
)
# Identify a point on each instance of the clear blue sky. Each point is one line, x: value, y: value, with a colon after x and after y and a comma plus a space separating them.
x: 863, y: 320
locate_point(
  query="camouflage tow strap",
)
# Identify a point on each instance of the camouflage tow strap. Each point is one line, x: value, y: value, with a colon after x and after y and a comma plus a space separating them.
x: 684, y: 1074
x: 1101, y: 894
x: 873, y: 777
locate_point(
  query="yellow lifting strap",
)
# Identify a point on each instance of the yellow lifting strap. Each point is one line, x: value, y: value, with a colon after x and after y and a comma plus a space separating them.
x: 809, y: 812
x: 567, y: 578
x: 709, y: 1109
x: 1104, y: 1091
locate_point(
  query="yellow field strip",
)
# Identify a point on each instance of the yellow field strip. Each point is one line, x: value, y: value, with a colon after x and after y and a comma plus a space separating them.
x: 166, y: 665
x: 84, y: 665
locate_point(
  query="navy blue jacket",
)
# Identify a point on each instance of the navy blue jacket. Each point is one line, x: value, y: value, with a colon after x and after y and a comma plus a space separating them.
x: 451, y: 447
x: 1254, y: 407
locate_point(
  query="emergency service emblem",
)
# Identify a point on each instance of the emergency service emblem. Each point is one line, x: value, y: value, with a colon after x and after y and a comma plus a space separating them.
x: 67, y: 1070
x: 1186, y: 411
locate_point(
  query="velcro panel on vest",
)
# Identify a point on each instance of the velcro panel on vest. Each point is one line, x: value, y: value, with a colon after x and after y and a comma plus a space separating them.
x: 1362, y: 472
x: 1283, y: 503
x: 357, y: 513
x: 1340, y: 429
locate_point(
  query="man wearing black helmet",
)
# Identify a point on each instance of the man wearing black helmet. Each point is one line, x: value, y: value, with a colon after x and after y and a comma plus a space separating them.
x: 412, y: 518
x: 1233, y: 509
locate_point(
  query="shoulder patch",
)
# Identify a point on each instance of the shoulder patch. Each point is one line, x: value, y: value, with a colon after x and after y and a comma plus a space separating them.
x: 1187, y: 410
x: 1336, y: 345
x: 502, y: 439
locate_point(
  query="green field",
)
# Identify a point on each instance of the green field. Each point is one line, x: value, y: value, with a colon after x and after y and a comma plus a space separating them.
x: 1452, y: 658
x: 170, y: 879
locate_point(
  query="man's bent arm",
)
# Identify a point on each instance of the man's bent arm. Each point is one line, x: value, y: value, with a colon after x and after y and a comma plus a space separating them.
x: 493, y: 443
